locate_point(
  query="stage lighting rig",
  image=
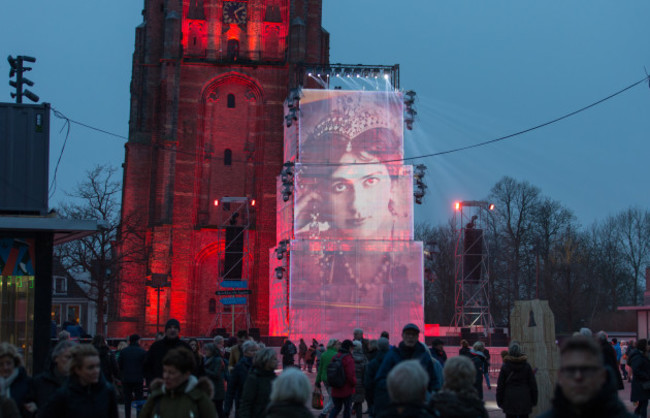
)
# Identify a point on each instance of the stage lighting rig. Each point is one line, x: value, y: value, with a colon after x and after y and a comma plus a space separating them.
x: 281, y: 250
x: 293, y: 103
x: 286, y: 176
x: 409, y: 111
x: 17, y: 68
x: 279, y: 272
x: 419, y: 187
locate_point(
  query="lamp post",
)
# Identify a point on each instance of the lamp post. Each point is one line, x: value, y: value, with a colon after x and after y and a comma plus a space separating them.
x: 158, y: 282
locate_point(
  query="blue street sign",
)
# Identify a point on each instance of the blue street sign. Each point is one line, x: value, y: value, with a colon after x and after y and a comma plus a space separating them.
x: 237, y: 284
x: 233, y: 301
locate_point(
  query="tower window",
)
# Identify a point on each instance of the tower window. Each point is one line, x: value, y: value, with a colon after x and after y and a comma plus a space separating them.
x: 231, y: 101
x: 233, y: 49
x: 227, y: 157
x: 212, y: 306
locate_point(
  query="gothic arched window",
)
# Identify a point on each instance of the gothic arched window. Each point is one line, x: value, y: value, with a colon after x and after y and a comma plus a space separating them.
x: 227, y: 157
x: 231, y: 101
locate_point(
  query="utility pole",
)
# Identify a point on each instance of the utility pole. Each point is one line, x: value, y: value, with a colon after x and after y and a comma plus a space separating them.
x: 18, y: 69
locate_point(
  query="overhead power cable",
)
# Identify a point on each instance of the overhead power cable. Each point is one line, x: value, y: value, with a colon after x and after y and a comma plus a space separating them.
x: 450, y: 151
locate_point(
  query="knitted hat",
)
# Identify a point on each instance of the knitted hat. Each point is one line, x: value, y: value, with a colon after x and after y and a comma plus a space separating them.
x: 172, y: 323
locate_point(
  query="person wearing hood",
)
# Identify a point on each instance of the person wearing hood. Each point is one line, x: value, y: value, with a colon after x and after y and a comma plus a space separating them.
x: 480, y: 362
x: 458, y: 397
x: 238, y: 377
x: 16, y: 384
x: 179, y: 394
x: 584, y: 387
x: 371, y: 372
x: 516, y: 385
x: 153, y: 362
x: 46, y: 384
x: 408, y: 349
x: 86, y: 393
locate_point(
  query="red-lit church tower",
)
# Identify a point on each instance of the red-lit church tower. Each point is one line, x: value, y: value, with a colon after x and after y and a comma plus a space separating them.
x: 205, y: 147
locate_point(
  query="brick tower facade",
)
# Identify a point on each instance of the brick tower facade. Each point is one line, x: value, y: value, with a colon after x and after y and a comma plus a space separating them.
x: 205, y: 148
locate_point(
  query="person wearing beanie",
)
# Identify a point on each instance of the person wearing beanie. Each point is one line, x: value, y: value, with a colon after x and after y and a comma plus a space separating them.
x: 131, y: 366
x: 153, y: 362
x: 409, y: 349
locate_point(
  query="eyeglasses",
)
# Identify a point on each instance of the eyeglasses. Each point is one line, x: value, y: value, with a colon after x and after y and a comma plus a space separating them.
x: 585, y: 371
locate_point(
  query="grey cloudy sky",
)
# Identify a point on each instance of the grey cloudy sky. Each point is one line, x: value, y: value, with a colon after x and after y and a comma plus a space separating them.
x: 482, y: 69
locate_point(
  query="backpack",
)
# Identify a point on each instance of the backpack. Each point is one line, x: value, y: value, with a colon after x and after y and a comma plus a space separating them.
x: 336, y: 372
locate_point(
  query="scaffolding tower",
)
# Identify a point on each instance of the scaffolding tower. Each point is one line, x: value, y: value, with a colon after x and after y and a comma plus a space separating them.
x: 472, y: 275
x: 234, y: 269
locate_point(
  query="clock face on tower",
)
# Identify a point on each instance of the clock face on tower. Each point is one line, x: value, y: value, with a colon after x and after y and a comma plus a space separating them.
x: 234, y: 12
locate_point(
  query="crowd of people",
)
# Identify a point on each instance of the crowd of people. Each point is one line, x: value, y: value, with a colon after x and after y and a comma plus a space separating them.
x: 408, y: 379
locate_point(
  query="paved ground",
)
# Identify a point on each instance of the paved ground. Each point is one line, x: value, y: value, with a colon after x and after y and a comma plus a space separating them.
x: 489, y: 397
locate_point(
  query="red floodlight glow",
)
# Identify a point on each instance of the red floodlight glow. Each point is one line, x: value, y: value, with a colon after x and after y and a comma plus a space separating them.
x: 491, y: 206
x: 457, y: 205
x: 216, y: 202
x: 253, y: 202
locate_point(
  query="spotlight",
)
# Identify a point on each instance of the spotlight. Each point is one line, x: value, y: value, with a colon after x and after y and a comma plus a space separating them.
x: 491, y: 206
x: 279, y: 273
x: 457, y: 205
x: 216, y: 202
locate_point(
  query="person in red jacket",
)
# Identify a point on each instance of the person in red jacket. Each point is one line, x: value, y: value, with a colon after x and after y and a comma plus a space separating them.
x: 343, y: 396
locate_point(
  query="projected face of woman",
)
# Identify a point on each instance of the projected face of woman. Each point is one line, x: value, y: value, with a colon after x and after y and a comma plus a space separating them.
x: 360, y: 196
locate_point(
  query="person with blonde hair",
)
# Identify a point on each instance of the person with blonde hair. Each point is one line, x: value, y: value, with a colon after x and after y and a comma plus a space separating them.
x: 458, y: 397
x: 16, y: 383
x: 407, y: 386
x: 86, y: 393
x: 289, y: 394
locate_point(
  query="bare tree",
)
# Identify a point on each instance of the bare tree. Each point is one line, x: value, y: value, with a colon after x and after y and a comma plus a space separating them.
x: 93, y: 259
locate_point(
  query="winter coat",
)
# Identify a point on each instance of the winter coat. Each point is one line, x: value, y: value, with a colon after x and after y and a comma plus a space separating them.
x: 325, y: 359
x: 287, y: 410
x: 302, y: 349
x: 447, y: 404
x: 360, y: 363
x: 310, y: 357
x: 256, y: 393
x: 192, y: 398
x: 108, y: 363
x: 8, y: 408
x: 215, y: 370
x: 405, y: 411
x: 371, y: 372
x: 131, y: 363
x: 73, y: 400
x: 287, y: 351
x: 640, y: 365
x: 237, y: 380
x: 19, y: 389
x: 153, y: 367
x: 609, y: 358
x: 44, y: 386
x: 604, y: 405
x: 395, y: 355
x: 350, y: 377
x: 478, y: 358
x: 516, y: 386
x: 235, y: 356
x: 441, y: 356
x: 464, y: 351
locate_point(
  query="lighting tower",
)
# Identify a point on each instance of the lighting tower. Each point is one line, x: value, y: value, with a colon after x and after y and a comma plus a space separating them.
x: 472, y: 275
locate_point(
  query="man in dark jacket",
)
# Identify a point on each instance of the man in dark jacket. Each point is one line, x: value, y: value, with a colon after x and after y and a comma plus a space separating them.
x: 130, y: 362
x: 153, y: 366
x: 371, y: 373
x: 409, y: 349
x: 583, y: 387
